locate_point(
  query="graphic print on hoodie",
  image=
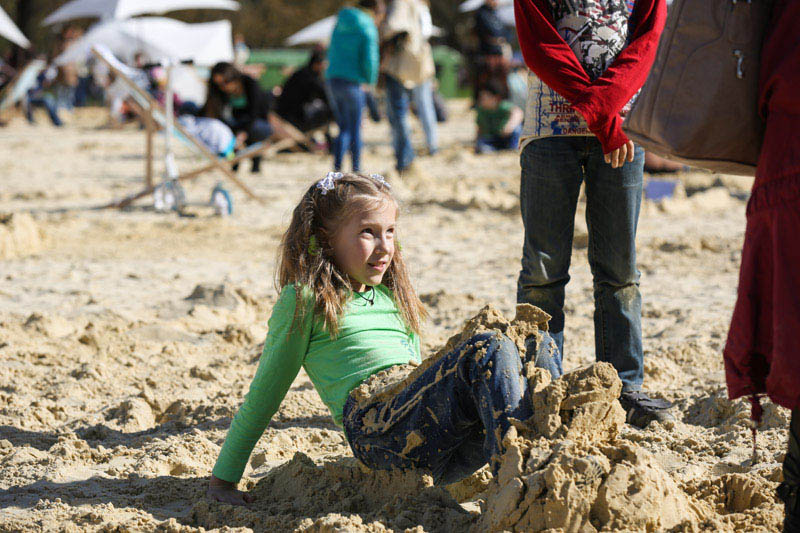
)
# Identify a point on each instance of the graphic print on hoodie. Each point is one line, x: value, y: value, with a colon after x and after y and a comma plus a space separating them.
x: 597, y: 31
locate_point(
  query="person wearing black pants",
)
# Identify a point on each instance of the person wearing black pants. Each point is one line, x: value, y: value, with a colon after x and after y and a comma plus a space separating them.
x: 789, y: 490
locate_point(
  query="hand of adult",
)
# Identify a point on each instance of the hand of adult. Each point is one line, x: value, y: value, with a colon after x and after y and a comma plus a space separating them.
x: 223, y: 491
x: 618, y: 157
x: 241, y: 139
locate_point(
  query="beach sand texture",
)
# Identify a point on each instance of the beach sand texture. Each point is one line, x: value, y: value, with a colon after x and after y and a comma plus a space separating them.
x: 128, y: 340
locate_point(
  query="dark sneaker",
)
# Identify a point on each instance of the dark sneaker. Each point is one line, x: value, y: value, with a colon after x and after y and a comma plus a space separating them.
x: 641, y: 409
x: 790, y: 496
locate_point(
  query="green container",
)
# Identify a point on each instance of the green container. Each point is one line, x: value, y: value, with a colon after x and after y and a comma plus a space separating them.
x: 448, y: 64
x: 280, y: 62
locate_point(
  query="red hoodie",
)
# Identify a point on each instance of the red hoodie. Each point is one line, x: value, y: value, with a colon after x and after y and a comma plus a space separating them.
x: 599, y: 101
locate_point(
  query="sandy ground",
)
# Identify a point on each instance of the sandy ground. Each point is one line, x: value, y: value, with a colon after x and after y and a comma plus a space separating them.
x: 117, y: 388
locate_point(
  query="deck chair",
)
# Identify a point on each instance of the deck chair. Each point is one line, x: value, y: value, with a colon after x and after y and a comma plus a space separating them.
x: 16, y: 89
x: 154, y: 117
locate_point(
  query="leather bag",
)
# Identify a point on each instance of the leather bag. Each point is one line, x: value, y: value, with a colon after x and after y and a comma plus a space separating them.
x: 699, y: 105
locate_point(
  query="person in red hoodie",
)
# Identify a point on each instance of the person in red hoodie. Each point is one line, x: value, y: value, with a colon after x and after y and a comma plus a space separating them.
x: 762, y: 355
x: 588, y: 59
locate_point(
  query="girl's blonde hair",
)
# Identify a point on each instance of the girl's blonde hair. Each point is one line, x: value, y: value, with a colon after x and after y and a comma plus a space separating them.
x: 306, y: 257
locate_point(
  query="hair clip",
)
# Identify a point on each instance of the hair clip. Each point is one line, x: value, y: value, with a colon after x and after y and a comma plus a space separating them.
x: 313, y: 246
x: 380, y: 179
x: 328, y: 182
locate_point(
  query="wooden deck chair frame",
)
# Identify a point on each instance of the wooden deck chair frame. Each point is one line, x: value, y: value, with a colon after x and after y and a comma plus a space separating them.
x: 32, y: 68
x: 296, y: 140
x: 149, y: 109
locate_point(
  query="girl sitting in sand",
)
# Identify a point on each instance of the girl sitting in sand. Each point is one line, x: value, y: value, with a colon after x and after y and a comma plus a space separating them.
x: 347, y: 311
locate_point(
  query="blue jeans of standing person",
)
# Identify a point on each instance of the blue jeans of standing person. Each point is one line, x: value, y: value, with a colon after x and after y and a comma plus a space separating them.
x: 493, y: 143
x: 450, y: 420
x: 347, y: 103
x: 426, y: 110
x: 398, y: 99
x: 553, y: 169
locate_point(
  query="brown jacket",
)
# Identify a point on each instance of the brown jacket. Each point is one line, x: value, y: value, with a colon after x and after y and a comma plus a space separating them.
x: 408, y: 58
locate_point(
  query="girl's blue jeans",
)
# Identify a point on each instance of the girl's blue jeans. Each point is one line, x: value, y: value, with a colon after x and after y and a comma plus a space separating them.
x: 449, y: 421
x: 347, y: 103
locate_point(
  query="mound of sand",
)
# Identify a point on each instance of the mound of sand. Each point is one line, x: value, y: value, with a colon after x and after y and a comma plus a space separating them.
x: 116, y: 391
x: 364, y: 500
x: 20, y: 236
x: 563, y: 468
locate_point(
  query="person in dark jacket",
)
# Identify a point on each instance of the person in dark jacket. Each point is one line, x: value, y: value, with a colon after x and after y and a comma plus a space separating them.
x: 240, y: 102
x: 762, y: 355
x: 304, y: 101
x: 490, y: 30
x: 490, y: 61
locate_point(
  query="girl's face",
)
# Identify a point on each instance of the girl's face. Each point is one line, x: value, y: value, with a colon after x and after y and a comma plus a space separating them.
x: 363, y: 247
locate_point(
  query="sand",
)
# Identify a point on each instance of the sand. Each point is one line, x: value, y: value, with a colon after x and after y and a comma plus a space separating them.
x: 129, y: 338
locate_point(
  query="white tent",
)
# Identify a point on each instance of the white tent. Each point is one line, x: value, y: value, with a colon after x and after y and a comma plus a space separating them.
x: 157, y: 38
x: 123, y: 9
x: 505, y: 9
x: 318, y: 32
x: 10, y: 31
x: 321, y: 31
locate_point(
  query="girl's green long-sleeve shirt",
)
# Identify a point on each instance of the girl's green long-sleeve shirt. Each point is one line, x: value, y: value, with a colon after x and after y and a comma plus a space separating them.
x: 371, y: 337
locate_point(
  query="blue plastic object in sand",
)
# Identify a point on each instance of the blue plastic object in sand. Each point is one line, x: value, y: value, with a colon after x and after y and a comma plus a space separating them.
x: 660, y: 189
x: 221, y: 201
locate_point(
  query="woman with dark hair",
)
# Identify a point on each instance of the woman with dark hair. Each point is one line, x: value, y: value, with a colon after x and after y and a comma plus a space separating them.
x: 240, y: 102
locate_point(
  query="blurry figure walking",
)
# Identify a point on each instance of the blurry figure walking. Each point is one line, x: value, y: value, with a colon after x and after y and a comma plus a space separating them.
x: 352, y: 69
x: 407, y: 66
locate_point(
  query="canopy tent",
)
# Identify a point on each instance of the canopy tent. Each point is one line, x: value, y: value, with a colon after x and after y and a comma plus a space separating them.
x: 158, y: 38
x: 10, y: 31
x: 321, y: 31
x: 318, y: 32
x: 123, y: 9
x: 505, y: 9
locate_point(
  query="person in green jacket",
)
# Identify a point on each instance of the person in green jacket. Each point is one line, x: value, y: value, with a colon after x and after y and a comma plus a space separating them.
x: 353, y: 59
x: 346, y: 311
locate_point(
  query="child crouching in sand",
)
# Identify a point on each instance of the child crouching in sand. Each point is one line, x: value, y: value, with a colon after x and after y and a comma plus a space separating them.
x: 346, y: 311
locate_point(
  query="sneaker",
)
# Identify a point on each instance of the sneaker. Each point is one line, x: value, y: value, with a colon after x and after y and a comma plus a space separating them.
x: 641, y: 409
x: 790, y: 496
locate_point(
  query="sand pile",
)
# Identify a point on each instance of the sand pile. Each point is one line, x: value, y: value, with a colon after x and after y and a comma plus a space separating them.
x: 20, y: 236
x: 565, y: 470
x: 361, y: 500
x: 116, y: 391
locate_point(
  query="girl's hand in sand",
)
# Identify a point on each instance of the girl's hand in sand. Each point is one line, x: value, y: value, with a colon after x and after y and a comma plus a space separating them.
x: 223, y: 491
x: 618, y: 157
